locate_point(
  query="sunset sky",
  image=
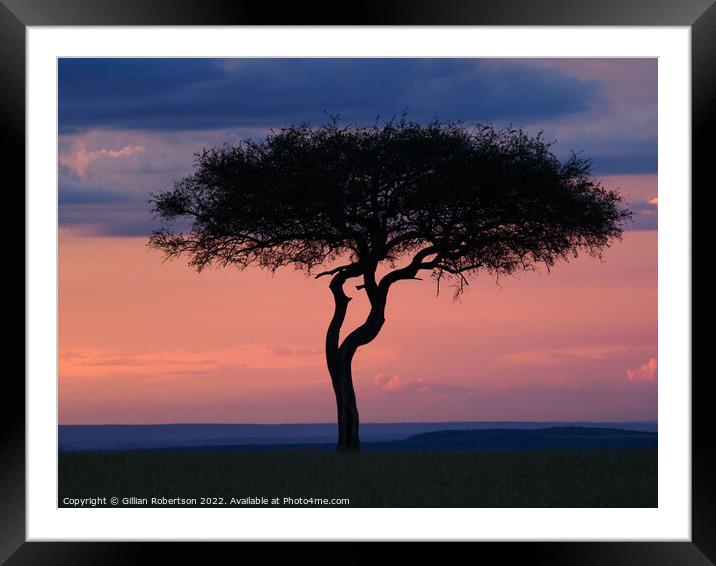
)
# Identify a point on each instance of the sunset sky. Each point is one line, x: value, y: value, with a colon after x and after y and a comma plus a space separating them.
x: 147, y: 341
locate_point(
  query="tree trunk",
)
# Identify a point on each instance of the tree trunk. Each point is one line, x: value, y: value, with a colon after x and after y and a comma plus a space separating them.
x: 347, y: 409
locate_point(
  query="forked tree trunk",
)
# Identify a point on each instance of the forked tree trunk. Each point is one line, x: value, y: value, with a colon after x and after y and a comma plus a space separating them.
x: 340, y: 356
x: 339, y: 359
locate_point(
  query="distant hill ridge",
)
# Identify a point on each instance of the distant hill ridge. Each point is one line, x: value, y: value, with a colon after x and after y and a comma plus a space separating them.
x: 552, y: 431
x: 520, y: 440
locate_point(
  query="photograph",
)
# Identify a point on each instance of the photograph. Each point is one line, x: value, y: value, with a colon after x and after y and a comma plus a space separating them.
x: 357, y: 282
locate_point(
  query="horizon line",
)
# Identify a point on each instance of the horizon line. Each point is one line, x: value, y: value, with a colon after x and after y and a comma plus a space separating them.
x: 365, y: 423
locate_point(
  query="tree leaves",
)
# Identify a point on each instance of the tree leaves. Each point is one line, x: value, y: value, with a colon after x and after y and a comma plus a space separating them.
x: 481, y: 198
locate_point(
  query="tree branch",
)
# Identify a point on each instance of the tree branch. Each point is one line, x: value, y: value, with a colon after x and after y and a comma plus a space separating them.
x: 411, y: 270
x: 338, y: 269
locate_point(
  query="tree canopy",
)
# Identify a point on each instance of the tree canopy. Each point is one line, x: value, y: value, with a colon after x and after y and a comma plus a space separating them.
x: 468, y: 198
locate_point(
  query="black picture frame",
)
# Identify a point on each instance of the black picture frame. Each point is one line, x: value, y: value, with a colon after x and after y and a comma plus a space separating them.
x: 16, y: 15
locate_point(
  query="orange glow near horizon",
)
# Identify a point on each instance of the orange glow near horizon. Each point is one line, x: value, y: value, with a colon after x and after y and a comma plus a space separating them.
x: 146, y: 341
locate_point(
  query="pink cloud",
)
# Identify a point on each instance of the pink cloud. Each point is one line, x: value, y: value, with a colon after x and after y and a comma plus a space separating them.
x: 284, y: 350
x: 399, y: 385
x: 568, y: 354
x: 388, y: 383
x: 646, y: 372
x: 90, y: 363
x: 79, y: 158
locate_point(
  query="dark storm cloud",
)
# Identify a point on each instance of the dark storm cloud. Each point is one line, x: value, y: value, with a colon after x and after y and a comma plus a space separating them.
x: 626, y: 163
x: 194, y: 94
x: 79, y: 195
x: 624, y: 156
x: 102, y: 220
x: 129, y: 127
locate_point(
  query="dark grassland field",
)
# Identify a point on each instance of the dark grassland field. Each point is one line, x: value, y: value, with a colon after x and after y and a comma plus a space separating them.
x: 547, y: 478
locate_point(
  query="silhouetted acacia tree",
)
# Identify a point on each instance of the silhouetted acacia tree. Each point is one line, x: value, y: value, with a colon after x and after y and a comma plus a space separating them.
x: 443, y: 198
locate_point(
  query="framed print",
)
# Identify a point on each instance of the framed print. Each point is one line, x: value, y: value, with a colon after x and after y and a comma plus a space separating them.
x: 244, y: 229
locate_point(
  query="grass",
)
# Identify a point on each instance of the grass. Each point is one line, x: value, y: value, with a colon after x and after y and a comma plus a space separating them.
x: 620, y: 478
